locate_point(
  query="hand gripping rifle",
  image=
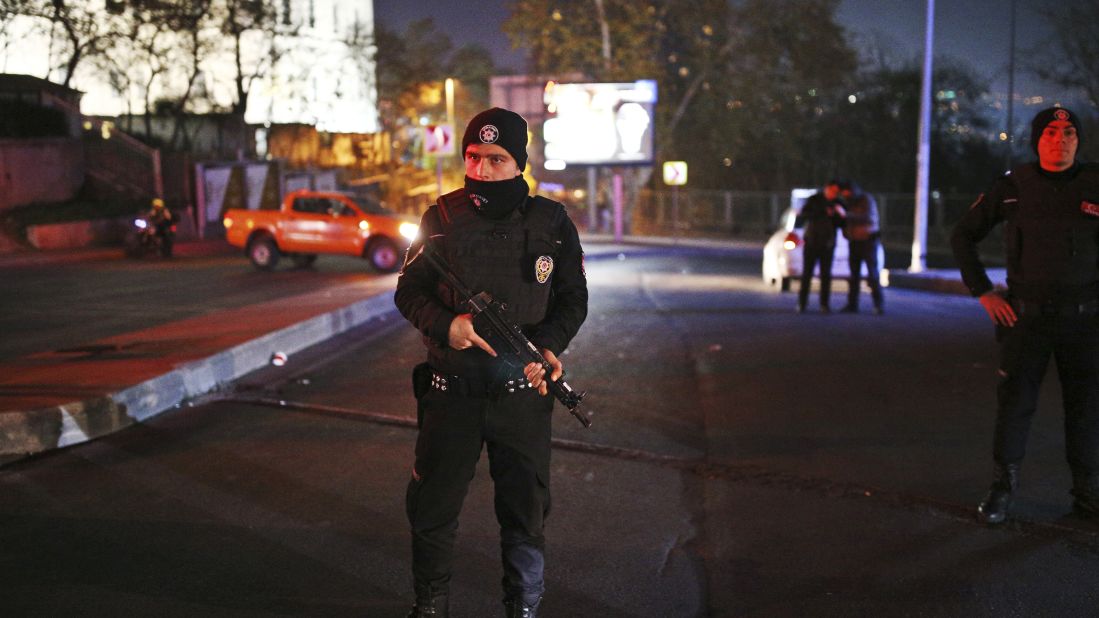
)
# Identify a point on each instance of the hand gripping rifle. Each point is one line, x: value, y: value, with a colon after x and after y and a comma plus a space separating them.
x: 487, y: 313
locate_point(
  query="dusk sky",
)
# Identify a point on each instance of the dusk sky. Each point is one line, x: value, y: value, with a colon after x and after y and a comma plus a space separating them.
x: 976, y: 31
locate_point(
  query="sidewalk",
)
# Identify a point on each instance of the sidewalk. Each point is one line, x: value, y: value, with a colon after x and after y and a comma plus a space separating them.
x: 55, y: 399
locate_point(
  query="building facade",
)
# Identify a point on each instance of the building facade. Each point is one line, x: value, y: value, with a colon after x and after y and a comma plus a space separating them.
x: 311, y: 63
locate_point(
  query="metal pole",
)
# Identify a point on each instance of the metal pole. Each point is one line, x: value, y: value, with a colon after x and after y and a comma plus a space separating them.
x: 923, y: 157
x: 1011, y: 92
x: 448, y: 87
x: 618, y: 207
x: 593, y: 200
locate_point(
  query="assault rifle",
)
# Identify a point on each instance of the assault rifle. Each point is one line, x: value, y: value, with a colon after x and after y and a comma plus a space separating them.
x: 488, y: 318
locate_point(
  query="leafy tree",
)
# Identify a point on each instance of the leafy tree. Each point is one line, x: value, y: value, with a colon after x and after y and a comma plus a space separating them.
x: 412, y: 67
x: 874, y: 138
x: 621, y: 43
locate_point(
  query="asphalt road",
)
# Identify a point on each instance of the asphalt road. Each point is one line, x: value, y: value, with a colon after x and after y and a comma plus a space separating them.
x: 744, y: 461
x: 65, y: 303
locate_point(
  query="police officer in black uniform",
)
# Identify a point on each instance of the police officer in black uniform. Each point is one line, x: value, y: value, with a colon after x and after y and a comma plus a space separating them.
x: 1050, y: 212
x: 525, y: 251
x: 821, y: 215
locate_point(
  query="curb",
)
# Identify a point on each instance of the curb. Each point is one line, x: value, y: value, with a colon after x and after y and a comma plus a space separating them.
x: 24, y: 433
x: 27, y: 433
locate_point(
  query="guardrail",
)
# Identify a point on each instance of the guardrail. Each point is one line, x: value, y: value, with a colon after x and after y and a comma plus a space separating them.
x: 755, y: 215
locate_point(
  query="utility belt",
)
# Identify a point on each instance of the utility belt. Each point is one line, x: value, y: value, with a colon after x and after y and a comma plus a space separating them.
x: 425, y: 378
x: 1054, y: 308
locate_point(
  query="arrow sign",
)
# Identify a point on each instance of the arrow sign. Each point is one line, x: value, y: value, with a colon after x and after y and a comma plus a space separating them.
x: 439, y: 139
x: 675, y: 173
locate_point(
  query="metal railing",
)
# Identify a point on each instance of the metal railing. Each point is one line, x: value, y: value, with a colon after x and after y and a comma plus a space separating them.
x: 755, y: 215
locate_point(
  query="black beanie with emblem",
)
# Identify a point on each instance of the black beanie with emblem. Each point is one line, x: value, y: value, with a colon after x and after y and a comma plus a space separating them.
x: 502, y: 127
x: 1048, y: 115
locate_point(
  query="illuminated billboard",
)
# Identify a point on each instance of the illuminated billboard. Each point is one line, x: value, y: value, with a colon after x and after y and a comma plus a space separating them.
x: 599, y: 124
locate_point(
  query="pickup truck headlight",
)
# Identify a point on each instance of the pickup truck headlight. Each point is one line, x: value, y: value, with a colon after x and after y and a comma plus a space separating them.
x: 409, y: 230
x: 364, y: 225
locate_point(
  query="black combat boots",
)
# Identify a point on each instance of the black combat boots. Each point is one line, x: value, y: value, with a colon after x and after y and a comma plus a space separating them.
x: 993, y: 509
x: 516, y: 608
x: 430, y: 603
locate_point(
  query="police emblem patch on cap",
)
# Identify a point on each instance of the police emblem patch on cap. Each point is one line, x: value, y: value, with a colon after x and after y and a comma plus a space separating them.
x: 489, y: 134
x: 1089, y: 208
x: 542, y: 268
x: 1061, y: 114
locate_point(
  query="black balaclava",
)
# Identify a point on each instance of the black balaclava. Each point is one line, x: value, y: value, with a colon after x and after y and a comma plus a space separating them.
x: 505, y: 128
x: 496, y: 199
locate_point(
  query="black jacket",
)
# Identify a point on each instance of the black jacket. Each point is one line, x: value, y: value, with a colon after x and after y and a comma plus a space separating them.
x: 821, y: 220
x: 1051, y: 234
x: 419, y: 299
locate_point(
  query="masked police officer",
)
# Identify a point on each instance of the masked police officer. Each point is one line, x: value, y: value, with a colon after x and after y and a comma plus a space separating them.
x: 524, y: 251
x: 1050, y: 212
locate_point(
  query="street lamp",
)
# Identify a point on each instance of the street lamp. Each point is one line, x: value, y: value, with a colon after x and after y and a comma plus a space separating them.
x: 923, y: 156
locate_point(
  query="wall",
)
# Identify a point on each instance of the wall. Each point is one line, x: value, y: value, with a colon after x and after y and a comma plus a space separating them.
x: 40, y: 170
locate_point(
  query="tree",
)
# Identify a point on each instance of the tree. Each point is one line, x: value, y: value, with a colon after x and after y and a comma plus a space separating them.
x: 257, y: 22
x: 1075, y: 46
x: 873, y: 138
x: 78, y: 29
x: 412, y: 67
x: 731, y: 76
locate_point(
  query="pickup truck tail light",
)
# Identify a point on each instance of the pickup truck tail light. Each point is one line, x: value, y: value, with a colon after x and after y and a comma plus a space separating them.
x: 227, y: 222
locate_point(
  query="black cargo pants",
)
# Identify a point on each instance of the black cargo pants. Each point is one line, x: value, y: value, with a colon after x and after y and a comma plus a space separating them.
x: 1072, y: 339
x: 813, y: 254
x: 453, y: 427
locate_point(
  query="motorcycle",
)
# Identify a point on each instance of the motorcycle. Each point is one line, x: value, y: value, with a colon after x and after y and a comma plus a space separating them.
x: 148, y: 236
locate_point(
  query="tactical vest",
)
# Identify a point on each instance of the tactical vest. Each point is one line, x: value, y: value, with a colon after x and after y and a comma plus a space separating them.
x: 512, y: 258
x: 1052, y: 235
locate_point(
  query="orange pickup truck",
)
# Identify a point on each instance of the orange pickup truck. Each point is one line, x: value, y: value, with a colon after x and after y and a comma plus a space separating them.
x: 314, y: 222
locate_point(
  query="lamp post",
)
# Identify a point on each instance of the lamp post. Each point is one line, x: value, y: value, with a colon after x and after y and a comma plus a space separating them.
x: 923, y: 157
x: 1011, y: 91
x: 448, y: 88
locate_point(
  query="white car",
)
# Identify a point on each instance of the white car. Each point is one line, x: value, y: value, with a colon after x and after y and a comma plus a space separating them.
x: 782, y: 255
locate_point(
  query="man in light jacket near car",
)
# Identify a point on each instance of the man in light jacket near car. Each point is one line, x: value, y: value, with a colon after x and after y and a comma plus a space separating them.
x: 862, y: 232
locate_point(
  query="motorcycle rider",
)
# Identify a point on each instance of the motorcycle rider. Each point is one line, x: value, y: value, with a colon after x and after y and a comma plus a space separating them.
x: 161, y: 221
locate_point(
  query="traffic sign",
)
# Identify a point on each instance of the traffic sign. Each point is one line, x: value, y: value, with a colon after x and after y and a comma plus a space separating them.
x: 439, y: 139
x: 675, y: 173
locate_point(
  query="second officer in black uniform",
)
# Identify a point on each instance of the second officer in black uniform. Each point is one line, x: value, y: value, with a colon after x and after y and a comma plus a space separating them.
x: 1050, y: 213
x: 524, y: 251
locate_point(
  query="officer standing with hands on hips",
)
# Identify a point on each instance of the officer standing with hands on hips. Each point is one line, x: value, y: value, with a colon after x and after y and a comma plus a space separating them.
x: 525, y: 251
x: 1050, y: 212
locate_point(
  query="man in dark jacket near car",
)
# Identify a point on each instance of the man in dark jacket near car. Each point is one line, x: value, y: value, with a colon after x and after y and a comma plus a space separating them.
x: 821, y: 215
x: 1050, y: 210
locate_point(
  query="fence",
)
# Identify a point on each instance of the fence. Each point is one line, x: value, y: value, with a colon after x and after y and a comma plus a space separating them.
x: 754, y: 215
